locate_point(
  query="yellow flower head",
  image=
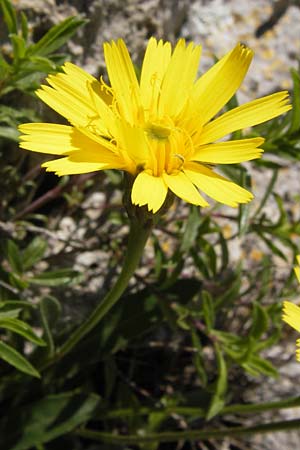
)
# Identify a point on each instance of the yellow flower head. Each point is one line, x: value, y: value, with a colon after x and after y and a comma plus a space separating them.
x: 291, y: 312
x: 161, y: 129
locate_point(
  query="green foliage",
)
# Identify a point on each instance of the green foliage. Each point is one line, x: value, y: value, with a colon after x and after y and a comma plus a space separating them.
x: 49, y: 418
x: 24, y: 68
x: 23, y: 65
x: 17, y: 272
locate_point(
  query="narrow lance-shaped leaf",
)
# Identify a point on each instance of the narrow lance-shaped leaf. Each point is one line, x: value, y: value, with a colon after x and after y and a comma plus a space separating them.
x: 13, y: 313
x: 19, y: 47
x: 10, y: 16
x: 244, y: 209
x: 191, y: 230
x: 14, y: 358
x: 198, y: 359
x: 54, y: 277
x: 24, y: 26
x: 14, y: 257
x: 50, y: 310
x: 267, y: 193
x: 9, y: 133
x: 57, y: 36
x: 259, y: 321
x: 208, y: 309
x: 218, y: 399
x: 33, y: 252
x: 295, y: 120
x: 21, y: 328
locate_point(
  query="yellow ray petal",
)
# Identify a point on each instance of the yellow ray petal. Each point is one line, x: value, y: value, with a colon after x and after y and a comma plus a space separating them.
x: 229, y: 152
x: 216, y: 87
x: 63, y: 84
x: 123, y: 79
x: 155, y: 63
x: 179, y: 78
x: 78, y: 79
x: 291, y: 315
x: 149, y: 190
x: 248, y: 115
x: 69, y: 96
x: 217, y: 187
x: 47, y: 138
x: 182, y: 186
x: 64, y: 166
x: 104, y: 121
x: 61, y: 140
x: 133, y: 141
x: 72, y: 111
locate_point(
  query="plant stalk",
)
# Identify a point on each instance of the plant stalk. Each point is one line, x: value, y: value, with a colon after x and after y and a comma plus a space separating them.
x: 138, y: 235
x: 190, y: 435
x: 194, y: 411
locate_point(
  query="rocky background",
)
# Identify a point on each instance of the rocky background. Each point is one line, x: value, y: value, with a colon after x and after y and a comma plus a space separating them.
x: 270, y: 28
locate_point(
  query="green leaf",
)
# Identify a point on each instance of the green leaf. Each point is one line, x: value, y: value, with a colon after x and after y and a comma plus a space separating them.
x: 17, y: 281
x: 10, y: 133
x: 110, y: 376
x: 13, y: 313
x: 200, y: 263
x: 244, y: 209
x: 243, y: 219
x: 19, y: 46
x: 257, y: 366
x: 275, y: 250
x: 233, y: 285
x: 55, y: 277
x: 10, y: 16
x: 224, y: 252
x: 295, y: 120
x: 267, y: 193
x: 34, y: 252
x: 49, y: 418
x: 24, y: 26
x: 211, y: 258
x: 5, y: 70
x: 57, y: 36
x: 218, y: 399
x: 14, y: 358
x: 12, y: 304
x: 21, y: 328
x: 208, y: 309
x: 50, y: 310
x: 191, y: 230
x: 14, y: 257
x: 40, y: 64
x: 260, y: 321
x: 198, y: 359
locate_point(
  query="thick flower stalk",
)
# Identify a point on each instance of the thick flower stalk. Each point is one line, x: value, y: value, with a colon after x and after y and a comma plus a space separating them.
x: 163, y: 129
x: 291, y: 312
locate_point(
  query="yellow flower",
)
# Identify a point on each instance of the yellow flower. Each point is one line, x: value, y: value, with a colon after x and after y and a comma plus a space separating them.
x: 291, y: 312
x: 162, y: 129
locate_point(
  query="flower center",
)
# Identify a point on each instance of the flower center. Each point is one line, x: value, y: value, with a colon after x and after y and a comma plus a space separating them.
x: 159, y: 129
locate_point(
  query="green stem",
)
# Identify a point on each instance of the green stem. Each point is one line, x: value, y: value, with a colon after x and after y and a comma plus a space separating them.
x: 190, y: 435
x: 291, y: 402
x: 193, y: 411
x: 138, y: 235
